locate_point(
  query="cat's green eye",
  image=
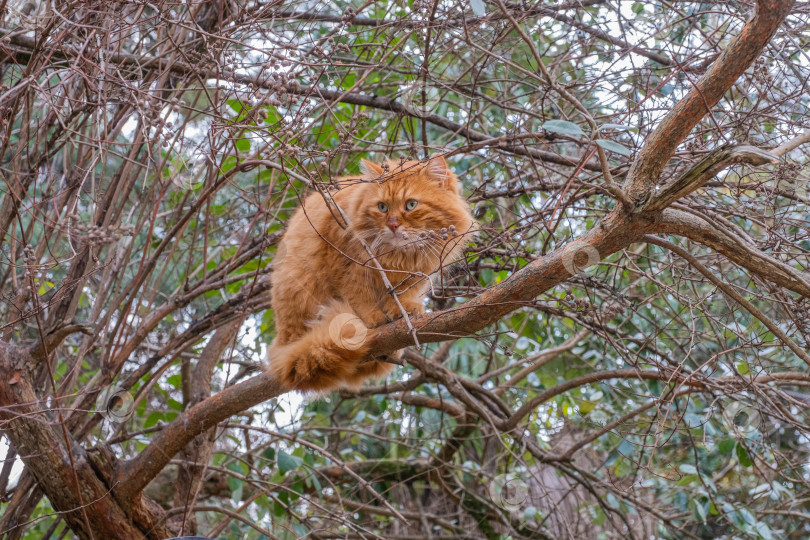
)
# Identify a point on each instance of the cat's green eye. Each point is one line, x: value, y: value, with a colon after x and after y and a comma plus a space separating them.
x: 410, y: 204
x: 382, y: 207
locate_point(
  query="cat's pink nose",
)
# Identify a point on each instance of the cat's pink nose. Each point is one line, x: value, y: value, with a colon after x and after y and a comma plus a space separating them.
x: 393, y: 224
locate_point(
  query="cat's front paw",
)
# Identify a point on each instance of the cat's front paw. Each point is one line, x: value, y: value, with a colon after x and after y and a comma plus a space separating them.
x: 413, y: 308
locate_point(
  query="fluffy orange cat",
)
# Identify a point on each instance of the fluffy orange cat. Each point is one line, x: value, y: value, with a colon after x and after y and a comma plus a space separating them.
x: 327, y: 293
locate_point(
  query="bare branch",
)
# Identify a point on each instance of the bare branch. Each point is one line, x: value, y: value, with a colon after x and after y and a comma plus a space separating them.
x: 703, y: 171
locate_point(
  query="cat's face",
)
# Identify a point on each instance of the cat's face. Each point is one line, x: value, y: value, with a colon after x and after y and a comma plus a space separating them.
x: 414, y: 208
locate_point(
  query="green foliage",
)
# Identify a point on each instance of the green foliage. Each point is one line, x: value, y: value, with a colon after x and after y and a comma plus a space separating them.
x: 694, y: 455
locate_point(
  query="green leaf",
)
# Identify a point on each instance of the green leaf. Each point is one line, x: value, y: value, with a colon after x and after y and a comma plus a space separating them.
x: 563, y: 127
x: 348, y: 81
x: 175, y: 380
x: 598, y: 515
x: 176, y: 405
x: 229, y: 163
x: 686, y: 480
x: 742, y: 368
x: 742, y: 455
x: 243, y: 144
x: 236, y: 105
x: 637, y: 7
x: 700, y: 511
x: 726, y: 446
x: 286, y: 462
x: 586, y: 406
x: 153, y: 419
x: 614, y: 147
x: 233, y: 482
x: 626, y: 448
x: 272, y: 115
x: 45, y: 287
x: 763, y: 530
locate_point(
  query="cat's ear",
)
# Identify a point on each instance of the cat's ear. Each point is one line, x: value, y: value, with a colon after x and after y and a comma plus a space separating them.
x: 369, y: 168
x: 438, y: 171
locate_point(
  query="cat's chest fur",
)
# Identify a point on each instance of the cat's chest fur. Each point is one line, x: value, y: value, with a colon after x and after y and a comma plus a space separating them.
x: 359, y: 281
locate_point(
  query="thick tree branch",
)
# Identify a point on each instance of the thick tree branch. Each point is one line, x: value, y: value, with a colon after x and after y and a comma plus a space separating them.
x: 135, y: 474
x: 612, y: 234
x: 680, y: 223
x: 703, y: 171
x: 42, y: 448
x: 705, y: 94
x: 54, y: 338
x: 792, y: 144
x: 733, y: 294
x: 196, y: 454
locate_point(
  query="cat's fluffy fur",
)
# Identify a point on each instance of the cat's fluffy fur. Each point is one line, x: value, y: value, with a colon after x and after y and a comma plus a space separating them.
x: 327, y: 294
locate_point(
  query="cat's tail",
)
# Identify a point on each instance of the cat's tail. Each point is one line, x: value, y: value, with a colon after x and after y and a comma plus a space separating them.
x: 332, y: 354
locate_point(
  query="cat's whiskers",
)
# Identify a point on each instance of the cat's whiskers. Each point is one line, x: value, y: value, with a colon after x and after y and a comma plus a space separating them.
x: 367, y: 234
x: 375, y: 245
x: 435, y: 262
x: 368, y: 278
x: 428, y: 255
x: 428, y: 246
x: 438, y: 258
x: 437, y: 246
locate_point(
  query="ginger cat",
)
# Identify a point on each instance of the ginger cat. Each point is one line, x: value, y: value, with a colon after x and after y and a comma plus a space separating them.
x: 327, y: 293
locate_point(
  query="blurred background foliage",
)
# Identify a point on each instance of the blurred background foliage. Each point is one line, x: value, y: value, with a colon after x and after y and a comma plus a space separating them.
x: 147, y: 182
